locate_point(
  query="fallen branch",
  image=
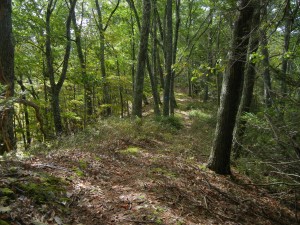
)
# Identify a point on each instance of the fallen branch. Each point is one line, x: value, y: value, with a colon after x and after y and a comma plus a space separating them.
x: 275, y: 183
x: 275, y: 163
x: 141, y: 221
x: 286, y: 174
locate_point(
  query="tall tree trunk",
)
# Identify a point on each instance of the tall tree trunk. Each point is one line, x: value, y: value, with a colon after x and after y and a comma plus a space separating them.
x: 153, y: 76
x: 190, y: 86
x: 56, y: 86
x: 160, y: 71
x: 151, y: 70
x: 219, y: 160
x: 249, y: 81
x: 266, y: 69
x: 106, y: 96
x: 46, y: 110
x: 140, y: 72
x: 26, y: 115
x: 120, y: 89
x: 210, y: 64
x: 218, y: 74
x: 168, y: 40
x: 287, y: 37
x: 175, y: 44
x: 7, y: 138
x: 85, y: 78
x: 153, y: 88
x: 132, y: 42
x: 102, y: 28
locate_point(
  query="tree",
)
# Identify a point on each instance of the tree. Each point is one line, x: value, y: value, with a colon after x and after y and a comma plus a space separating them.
x: 266, y: 69
x: 56, y: 86
x: 168, y: 49
x: 102, y: 28
x: 7, y: 140
x: 174, y: 53
x: 219, y: 160
x: 140, y: 71
x: 152, y: 73
x: 87, y: 85
x: 289, y: 18
x: 248, y: 87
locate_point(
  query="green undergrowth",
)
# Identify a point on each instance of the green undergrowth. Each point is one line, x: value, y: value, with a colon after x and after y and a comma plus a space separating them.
x: 112, y: 129
x: 267, y: 153
x: 199, y: 105
x: 172, y: 123
x: 201, y: 130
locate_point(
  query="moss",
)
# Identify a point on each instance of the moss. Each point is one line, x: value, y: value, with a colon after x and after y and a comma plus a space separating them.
x: 130, y: 151
x: 164, y: 172
x: 78, y: 172
x: 46, y: 189
x: 83, y: 164
x: 6, y: 192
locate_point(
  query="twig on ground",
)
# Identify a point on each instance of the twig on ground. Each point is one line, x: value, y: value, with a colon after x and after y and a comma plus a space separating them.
x: 275, y: 183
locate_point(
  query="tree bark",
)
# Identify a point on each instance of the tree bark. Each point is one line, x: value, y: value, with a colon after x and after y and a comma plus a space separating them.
x: 160, y: 71
x: 266, y: 69
x: 151, y: 72
x: 168, y: 49
x: 27, y: 140
x: 142, y: 56
x: 287, y: 37
x: 174, y: 53
x: 7, y: 139
x: 249, y: 81
x: 153, y: 76
x: 219, y: 160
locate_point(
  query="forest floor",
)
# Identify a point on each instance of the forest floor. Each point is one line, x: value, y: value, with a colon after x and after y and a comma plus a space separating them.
x: 135, y: 173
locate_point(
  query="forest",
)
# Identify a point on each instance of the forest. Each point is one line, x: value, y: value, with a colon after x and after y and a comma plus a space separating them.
x: 149, y: 112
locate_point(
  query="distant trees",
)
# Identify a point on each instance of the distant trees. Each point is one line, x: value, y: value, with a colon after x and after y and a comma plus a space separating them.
x: 7, y: 139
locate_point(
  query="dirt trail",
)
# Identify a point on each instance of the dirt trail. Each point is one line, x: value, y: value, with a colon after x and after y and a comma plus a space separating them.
x: 133, y: 185
x: 131, y: 182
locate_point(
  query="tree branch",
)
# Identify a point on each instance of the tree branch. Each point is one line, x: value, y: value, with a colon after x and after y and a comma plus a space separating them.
x: 110, y: 16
